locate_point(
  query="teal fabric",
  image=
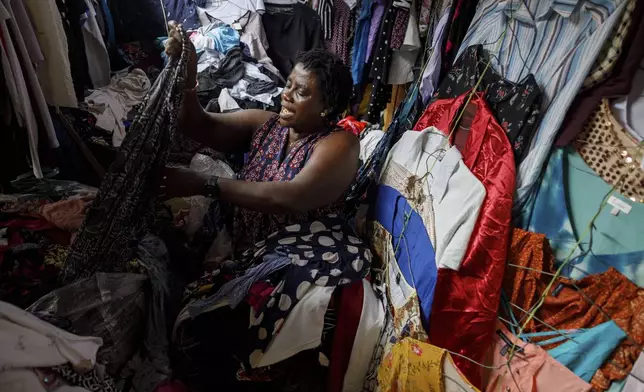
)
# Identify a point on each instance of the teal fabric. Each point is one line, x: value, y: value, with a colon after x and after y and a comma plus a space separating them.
x: 548, y: 213
x: 588, y: 350
x: 585, y: 350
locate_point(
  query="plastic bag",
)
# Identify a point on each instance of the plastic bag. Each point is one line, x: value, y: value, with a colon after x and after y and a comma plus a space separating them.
x: 108, y: 305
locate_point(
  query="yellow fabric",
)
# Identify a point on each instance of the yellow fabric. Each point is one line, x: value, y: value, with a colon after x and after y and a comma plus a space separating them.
x: 412, y: 366
x: 397, y: 96
x: 364, y: 104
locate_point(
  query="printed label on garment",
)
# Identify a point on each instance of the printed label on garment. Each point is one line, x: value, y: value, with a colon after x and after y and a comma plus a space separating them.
x: 620, y: 204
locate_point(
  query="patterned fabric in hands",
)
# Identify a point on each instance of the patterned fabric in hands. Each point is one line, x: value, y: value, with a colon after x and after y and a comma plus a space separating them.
x: 269, y: 160
x: 127, y: 199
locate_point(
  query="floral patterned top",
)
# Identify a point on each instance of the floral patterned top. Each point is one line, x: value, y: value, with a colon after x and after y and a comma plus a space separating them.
x: 269, y: 161
x: 516, y: 106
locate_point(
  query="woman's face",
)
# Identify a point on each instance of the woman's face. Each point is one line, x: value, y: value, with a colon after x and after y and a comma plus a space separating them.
x: 302, y: 102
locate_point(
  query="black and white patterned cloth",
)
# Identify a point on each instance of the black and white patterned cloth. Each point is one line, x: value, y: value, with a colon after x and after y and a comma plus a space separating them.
x: 325, y: 252
x: 127, y: 200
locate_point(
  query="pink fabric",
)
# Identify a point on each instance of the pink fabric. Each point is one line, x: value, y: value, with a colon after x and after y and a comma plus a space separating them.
x: 531, y: 370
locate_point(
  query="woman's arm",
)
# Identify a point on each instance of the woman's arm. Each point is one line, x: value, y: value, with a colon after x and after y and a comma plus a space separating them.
x: 225, y: 132
x: 230, y: 132
x: 323, y: 180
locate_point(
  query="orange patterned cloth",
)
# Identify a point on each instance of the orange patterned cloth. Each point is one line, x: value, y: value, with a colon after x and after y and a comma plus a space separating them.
x: 615, y: 296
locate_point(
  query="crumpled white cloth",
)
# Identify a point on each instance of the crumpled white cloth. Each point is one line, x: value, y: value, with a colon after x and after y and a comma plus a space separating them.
x: 29, y: 342
x: 112, y: 103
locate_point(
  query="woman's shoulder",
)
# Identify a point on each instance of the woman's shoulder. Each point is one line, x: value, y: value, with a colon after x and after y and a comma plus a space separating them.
x: 339, y: 138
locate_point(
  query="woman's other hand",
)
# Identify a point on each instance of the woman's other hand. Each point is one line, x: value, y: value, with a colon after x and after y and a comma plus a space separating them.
x: 181, y: 182
x: 173, y: 48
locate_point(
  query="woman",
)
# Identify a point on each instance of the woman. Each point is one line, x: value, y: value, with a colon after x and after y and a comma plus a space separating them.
x: 298, y: 168
x: 299, y: 164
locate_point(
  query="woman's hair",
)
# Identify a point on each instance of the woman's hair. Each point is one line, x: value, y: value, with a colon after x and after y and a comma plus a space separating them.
x: 333, y: 78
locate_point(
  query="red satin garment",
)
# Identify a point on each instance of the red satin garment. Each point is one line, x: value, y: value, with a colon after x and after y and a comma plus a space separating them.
x: 466, y: 301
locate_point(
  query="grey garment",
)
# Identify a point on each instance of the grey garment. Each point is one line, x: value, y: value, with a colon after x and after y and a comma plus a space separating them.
x: 100, y: 18
x: 153, y: 366
x: 109, y: 306
x: 225, y: 75
x: 27, y: 31
x: 236, y: 289
x: 254, y: 36
x: 126, y: 202
x: 96, y: 52
x: 256, y: 86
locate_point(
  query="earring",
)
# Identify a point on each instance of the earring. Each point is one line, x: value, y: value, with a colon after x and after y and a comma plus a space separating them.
x: 323, y: 114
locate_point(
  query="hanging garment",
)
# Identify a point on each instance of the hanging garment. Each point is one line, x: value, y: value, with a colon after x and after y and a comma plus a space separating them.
x: 628, y: 109
x: 587, y: 350
x: 612, y: 153
x: 401, y: 20
x: 575, y: 35
x: 98, y: 60
x: 264, y: 165
x: 27, y: 31
x: 572, y: 304
x: 324, y: 8
x: 338, y: 41
x: 72, y: 13
x: 366, y: 334
x: 380, y: 66
x: 465, y: 302
x: 291, y: 30
x: 183, y: 12
x: 18, y: 91
x: 444, y: 187
x: 431, y: 75
x: 126, y: 201
x: 516, y: 106
x: 413, y: 366
x: 400, y: 302
x: 617, y: 84
x: 253, y: 35
x: 612, y: 49
x: 368, y: 173
x: 228, y: 12
x: 530, y: 368
x: 551, y: 199
x: 377, y: 13
x: 461, y: 14
x: 54, y: 73
x: 403, y: 58
x: 368, y: 144
x: 360, y: 41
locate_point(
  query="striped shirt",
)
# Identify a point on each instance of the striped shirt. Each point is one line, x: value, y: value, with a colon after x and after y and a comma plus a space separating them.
x: 556, y: 40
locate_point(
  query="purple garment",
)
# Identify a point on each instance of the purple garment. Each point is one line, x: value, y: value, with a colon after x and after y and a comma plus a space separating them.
x: 376, y: 18
x: 432, y: 72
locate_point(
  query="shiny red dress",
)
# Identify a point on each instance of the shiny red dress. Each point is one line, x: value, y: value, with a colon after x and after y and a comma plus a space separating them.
x: 466, y: 301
